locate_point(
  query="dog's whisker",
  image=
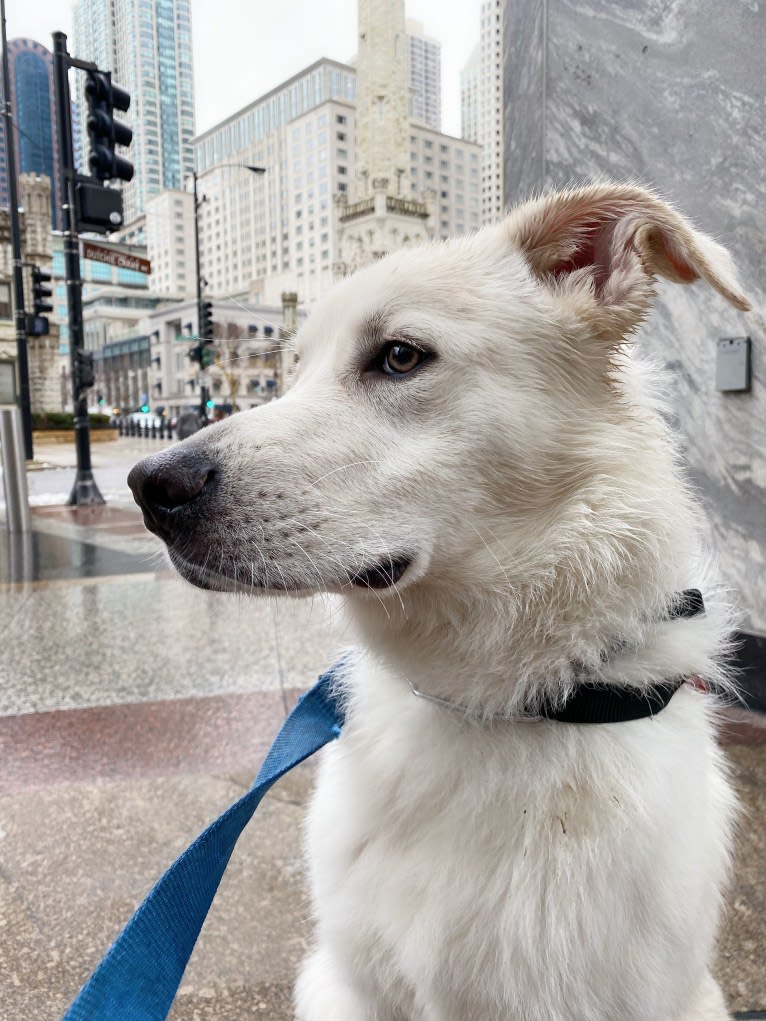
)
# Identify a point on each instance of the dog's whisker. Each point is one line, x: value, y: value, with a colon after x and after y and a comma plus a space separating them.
x: 331, y: 552
x: 343, y: 467
x: 378, y: 536
x: 321, y: 581
x: 492, y: 552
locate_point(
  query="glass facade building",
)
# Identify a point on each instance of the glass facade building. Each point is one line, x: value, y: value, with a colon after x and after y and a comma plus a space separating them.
x: 147, y: 45
x: 33, y: 111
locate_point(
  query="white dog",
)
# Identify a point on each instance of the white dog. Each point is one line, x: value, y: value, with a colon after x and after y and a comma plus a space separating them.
x: 472, y: 457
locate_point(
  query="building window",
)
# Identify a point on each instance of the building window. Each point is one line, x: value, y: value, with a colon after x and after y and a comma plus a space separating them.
x: 6, y: 312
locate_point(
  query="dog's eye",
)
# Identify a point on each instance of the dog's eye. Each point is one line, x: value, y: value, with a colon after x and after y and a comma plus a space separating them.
x: 397, y: 359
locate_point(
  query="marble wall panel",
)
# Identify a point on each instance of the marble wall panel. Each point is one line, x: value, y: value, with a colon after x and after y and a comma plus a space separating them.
x: 670, y: 93
x: 523, y: 98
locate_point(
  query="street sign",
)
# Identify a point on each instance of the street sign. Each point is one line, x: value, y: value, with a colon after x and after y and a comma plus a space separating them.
x: 115, y: 257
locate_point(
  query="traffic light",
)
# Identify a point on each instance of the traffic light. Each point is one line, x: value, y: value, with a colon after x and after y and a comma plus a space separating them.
x: 37, y: 323
x: 206, y: 320
x: 40, y: 292
x: 195, y: 353
x: 104, y: 132
x: 84, y: 368
x: 208, y: 354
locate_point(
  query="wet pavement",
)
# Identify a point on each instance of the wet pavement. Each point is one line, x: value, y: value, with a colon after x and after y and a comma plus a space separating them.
x: 133, y: 709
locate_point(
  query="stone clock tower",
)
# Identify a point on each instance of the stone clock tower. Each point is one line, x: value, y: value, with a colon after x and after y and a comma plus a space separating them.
x: 381, y: 215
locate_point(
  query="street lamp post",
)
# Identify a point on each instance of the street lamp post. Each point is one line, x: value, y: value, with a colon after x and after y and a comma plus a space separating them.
x: 203, y: 397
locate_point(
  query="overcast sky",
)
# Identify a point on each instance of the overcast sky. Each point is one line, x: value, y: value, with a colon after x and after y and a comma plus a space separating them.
x: 242, y: 49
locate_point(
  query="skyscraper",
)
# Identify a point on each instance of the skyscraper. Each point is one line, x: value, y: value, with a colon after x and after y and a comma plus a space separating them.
x: 147, y: 46
x: 34, y: 117
x: 425, y: 76
x: 482, y: 107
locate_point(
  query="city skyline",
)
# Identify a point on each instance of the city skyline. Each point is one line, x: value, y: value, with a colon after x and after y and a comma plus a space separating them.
x: 281, y: 49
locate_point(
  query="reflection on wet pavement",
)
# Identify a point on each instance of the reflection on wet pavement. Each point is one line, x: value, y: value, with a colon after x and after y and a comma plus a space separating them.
x: 74, y: 542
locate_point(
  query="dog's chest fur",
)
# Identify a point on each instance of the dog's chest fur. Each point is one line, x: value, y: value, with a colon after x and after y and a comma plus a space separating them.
x: 539, y: 863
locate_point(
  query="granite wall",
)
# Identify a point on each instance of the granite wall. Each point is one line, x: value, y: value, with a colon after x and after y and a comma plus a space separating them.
x: 670, y: 93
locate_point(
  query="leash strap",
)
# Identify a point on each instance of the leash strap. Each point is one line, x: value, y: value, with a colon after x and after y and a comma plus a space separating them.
x: 138, y: 978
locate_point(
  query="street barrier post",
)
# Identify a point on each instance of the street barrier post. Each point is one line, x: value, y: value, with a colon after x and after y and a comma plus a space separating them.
x: 14, y: 469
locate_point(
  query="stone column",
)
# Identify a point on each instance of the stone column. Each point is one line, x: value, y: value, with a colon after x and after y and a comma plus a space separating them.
x: 286, y: 360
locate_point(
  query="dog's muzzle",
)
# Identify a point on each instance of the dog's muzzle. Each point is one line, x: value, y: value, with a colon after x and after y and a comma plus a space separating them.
x: 168, y: 485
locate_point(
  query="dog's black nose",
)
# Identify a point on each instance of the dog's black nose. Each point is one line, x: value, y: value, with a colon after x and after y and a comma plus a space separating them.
x: 165, y: 482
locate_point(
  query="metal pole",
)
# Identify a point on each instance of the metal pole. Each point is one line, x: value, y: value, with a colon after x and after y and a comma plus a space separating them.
x: 202, y: 387
x: 18, y: 273
x: 85, y: 491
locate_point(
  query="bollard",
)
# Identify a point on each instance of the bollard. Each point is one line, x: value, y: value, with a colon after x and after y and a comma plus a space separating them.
x: 14, y: 470
x: 154, y: 429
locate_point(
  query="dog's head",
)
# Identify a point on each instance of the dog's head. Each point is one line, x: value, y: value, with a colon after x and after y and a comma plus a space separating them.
x: 446, y: 396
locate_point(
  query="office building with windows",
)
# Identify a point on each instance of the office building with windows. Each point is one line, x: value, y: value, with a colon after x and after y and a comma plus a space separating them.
x: 147, y: 45
x: 261, y: 235
x: 170, y: 243
x: 482, y: 107
x: 425, y: 76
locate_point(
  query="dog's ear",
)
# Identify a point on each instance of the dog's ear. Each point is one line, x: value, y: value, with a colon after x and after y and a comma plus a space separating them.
x: 601, y: 246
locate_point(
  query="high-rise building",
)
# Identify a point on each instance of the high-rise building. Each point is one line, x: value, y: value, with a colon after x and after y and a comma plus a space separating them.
x: 170, y: 241
x: 261, y: 235
x: 425, y: 61
x: 482, y: 107
x: 147, y: 45
x: 34, y: 116
x: 470, y: 77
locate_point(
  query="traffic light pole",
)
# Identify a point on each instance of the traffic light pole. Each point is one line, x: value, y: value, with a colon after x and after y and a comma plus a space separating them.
x: 203, y: 392
x: 16, y: 257
x: 85, y: 491
x: 204, y: 314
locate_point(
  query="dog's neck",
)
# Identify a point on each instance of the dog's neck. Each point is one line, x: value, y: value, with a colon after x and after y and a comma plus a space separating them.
x: 592, y: 701
x: 511, y: 666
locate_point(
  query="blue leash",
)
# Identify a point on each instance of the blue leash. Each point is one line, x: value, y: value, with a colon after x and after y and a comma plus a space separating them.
x: 139, y: 976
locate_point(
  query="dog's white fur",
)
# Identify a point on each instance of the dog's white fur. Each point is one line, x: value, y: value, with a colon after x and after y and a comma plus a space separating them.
x: 466, y: 866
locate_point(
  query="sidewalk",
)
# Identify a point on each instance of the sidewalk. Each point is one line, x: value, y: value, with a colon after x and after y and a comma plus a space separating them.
x: 133, y: 709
